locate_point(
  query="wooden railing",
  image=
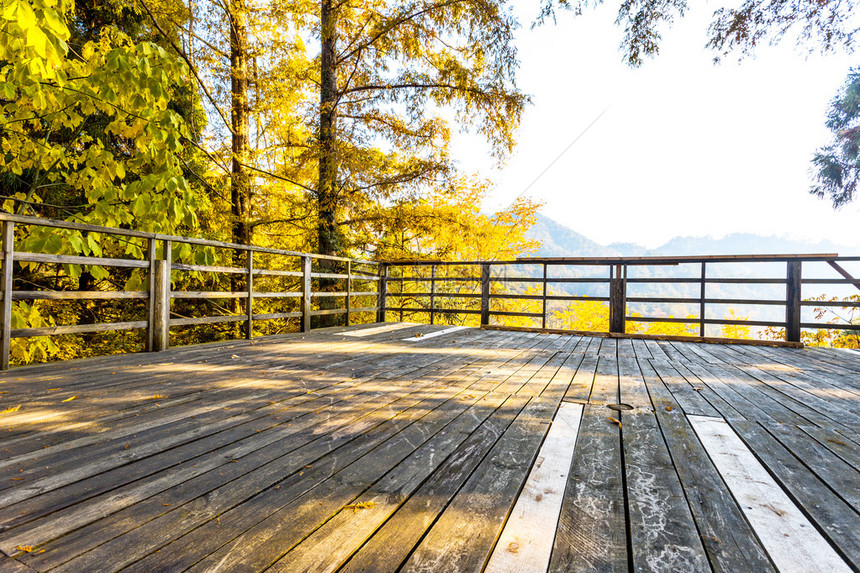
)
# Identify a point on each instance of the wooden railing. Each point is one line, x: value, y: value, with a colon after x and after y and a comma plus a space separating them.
x: 157, y: 267
x: 478, y: 287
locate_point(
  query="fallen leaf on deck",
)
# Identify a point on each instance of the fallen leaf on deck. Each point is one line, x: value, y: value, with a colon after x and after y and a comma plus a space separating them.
x: 362, y: 505
x: 235, y: 356
x: 25, y: 548
x: 157, y: 397
x: 614, y: 421
x: 10, y: 410
x: 668, y: 408
x: 69, y: 399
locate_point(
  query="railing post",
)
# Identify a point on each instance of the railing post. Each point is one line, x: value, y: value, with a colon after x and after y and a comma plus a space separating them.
x: 485, y: 294
x: 617, y: 299
x: 161, y: 306
x: 702, y: 303
x: 249, y: 307
x: 151, y: 257
x: 306, y: 294
x: 6, y: 304
x: 382, y: 296
x: 348, y: 290
x: 543, y: 300
x: 432, y: 291
x: 792, y: 301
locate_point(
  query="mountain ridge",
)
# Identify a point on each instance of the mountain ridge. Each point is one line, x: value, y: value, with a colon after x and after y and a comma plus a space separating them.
x: 558, y: 240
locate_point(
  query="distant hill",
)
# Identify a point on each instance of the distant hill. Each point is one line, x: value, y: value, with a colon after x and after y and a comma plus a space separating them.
x: 560, y: 241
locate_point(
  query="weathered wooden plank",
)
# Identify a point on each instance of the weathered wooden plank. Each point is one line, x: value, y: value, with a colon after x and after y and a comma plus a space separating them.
x: 328, y: 547
x: 831, y: 515
x: 372, y: 330
x: 840, y: 476
x: 592, y: 532
x: 526, y: 540
x: 78, y: 260
x: 77, y: 295
x: 836, y: 443
x: 727, y: 538
x: 147, y: 539
x: 656, y: 350
x: 625, y: 348
x: 76, y: 329
x: 463, y: 536
x: 421, y: 337
x: 641, y: 349
x: 690, y: 399
x: 663, y: 535
x: 583, y: 379
x: 303, y: 512
x: 9, y: 565
x: 392, y: 543
x: 789, y: 538
x: 6, y: 291
x: 608, y: 348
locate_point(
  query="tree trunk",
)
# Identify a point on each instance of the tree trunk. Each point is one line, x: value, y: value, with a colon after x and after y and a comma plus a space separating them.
x: 240, y: 185
x: 240, y: 188
x: 329, y: 241
x: 328, y: 236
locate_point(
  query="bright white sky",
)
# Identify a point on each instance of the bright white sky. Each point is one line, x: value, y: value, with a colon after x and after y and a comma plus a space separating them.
x: 686, y: 148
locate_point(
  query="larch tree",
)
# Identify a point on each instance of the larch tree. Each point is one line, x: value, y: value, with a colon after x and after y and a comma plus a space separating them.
x: 393, y: 76
x: 240, y: 54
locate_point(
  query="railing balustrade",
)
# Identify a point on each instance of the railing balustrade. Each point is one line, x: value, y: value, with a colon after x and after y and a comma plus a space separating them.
x: 480, y: 286
x: 157, y: 268
x: 476, y: 289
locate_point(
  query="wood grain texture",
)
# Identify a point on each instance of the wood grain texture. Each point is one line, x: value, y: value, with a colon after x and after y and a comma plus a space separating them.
x: 789, y: 538
x: 592, y: 530
x: 269, y: 455
x: 526, y: 540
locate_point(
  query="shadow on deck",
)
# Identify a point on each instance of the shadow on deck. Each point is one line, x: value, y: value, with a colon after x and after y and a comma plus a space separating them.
x: 409, y: 447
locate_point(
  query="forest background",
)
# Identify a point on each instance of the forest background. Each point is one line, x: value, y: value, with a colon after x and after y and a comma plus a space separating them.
x: 310, y: 126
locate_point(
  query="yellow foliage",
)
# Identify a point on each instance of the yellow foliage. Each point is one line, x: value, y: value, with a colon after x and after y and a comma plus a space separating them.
x: 736, y: 330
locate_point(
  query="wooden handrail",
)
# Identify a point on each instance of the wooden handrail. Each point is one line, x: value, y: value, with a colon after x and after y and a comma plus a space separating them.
x: 157, y: 268
x: 492, y: 287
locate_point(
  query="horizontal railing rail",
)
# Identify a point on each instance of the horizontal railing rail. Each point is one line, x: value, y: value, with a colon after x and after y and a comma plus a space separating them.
x: 483, y: 284
x: 158, y: 266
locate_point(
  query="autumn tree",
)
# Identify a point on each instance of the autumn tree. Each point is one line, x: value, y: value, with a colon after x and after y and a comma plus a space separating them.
x: 393, y: 76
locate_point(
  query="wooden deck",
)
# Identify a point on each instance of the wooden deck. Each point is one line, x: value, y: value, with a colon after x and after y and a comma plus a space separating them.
x: 384, y: 447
